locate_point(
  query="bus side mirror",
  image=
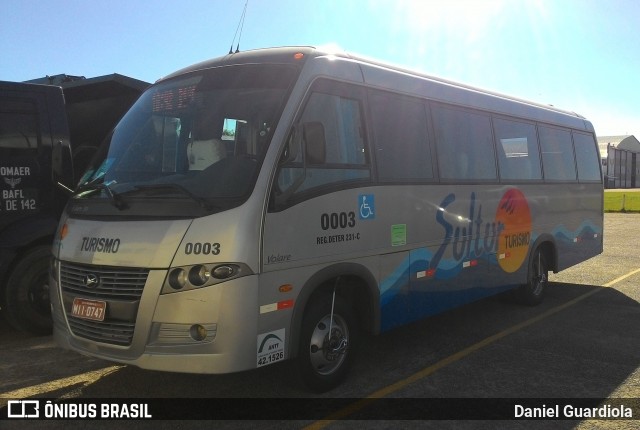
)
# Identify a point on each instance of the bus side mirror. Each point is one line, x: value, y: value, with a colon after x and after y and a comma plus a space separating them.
x: 291, y: 178
x: 315, y: 143
x: 291, y: 175
x: 291, y: 149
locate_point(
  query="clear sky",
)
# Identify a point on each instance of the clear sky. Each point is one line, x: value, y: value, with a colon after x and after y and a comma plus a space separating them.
x: 580, y: 55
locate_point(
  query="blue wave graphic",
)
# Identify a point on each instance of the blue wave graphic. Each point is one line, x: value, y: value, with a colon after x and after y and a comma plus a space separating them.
x: 586, y: 230
x: 417, y: 260
x: 395, y: 286
x: 390, y: 286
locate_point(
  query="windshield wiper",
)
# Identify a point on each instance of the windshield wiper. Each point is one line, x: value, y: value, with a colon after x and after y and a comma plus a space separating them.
x: 182, y: 190
x: 89, y: 184
x: 94, y: 185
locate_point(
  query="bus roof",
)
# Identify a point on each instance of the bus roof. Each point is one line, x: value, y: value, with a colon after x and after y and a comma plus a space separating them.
x: 392, y: 77
x: 266, y: 55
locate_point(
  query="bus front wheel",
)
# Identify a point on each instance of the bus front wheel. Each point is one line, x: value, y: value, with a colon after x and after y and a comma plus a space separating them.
x: 533, y: 291
x: 326, y: 344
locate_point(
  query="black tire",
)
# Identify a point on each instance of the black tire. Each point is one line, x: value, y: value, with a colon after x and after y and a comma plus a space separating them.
x: 323, y: 361
x: 532, y: 292
x: 27, y: 304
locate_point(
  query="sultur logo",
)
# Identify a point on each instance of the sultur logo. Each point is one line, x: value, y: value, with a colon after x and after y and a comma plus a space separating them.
x: 508, y: 234
x: 513, y: 243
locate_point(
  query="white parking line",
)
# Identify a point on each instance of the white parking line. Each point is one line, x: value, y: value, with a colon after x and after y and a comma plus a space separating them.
x: 85, y: 379
x: 621, y: 278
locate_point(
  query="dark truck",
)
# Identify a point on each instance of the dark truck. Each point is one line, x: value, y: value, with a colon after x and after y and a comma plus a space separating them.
x: 49, y: 130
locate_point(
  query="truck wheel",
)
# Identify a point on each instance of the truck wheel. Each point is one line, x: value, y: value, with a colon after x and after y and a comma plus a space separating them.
x: 532, y: 292
x: 27, y: 293
x: 324, y: 356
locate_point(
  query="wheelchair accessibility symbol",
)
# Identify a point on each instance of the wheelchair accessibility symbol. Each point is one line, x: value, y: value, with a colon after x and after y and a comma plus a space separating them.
x: 367, y: 206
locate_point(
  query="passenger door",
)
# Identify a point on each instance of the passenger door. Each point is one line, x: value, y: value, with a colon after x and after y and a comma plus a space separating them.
x: 314, y: 210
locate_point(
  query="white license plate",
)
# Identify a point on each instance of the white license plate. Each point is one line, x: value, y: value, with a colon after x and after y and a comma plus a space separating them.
x: 89, y: 309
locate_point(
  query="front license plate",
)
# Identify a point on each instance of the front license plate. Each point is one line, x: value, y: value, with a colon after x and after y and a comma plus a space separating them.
x: 89, y: 309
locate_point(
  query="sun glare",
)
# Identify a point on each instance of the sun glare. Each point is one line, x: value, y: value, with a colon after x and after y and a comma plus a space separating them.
x: 466, y: 18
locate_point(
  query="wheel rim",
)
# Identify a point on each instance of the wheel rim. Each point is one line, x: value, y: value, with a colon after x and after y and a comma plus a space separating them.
x: 38, y: 296
x: 328, y: 350
x: 539, y: 275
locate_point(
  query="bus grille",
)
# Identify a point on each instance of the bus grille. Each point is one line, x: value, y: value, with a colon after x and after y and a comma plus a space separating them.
x: 115, y: 283
x: 120, y: 287
x: 105, y: 332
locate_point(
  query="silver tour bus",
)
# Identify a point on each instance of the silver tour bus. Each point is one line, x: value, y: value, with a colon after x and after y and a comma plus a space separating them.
x: 275, y: 204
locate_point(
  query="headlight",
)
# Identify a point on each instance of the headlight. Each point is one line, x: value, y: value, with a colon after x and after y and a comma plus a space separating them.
x: 198, y: 275
x: 202, y: 275
x: 177, y: 279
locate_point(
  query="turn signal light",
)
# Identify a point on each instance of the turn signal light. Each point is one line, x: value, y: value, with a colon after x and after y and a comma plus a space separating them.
x: 285, y: 288
x: 64, y: 230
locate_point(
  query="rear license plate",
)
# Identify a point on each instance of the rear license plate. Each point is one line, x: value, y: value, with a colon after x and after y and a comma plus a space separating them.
x: 89, y: 309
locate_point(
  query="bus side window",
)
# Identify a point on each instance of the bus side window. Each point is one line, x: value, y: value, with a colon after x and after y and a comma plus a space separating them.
x: 401, y: 143
x: 557, y: 154
x: 587, y: 157
x: 464, y: 144
x: 518, y: 154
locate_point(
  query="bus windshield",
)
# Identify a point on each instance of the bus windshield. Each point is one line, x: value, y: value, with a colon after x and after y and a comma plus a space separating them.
x: 200, y: 136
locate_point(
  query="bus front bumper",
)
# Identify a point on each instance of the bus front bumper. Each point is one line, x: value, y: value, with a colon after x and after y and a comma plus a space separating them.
x: 207, y: 330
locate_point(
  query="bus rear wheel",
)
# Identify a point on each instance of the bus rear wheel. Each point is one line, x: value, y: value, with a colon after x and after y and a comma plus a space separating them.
x: 533, y: 291
x: 326, y: 344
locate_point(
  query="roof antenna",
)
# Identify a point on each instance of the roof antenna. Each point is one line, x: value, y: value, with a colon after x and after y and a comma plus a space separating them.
x: 240, y: 27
